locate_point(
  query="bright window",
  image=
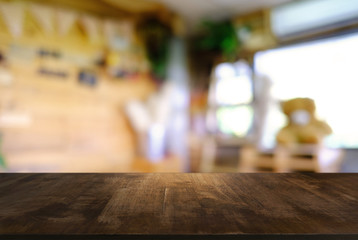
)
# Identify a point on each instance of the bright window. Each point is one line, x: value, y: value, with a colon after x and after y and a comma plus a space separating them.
x: 325, y: 71
x: 235, y: 120
x: 230, y: 99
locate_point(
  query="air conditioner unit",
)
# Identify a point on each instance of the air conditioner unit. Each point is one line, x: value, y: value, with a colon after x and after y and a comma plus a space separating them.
x: 300, y: 18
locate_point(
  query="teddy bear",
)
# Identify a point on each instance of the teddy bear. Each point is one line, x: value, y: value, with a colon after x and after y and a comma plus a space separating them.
x: 303, y: 127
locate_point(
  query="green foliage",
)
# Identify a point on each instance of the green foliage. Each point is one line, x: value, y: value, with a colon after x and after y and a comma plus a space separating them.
x: 156, y: 37
x: 220, y: 37
x: 2, y: 160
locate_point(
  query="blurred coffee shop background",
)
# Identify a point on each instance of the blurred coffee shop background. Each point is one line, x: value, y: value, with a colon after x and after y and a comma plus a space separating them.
x: 178, y: 86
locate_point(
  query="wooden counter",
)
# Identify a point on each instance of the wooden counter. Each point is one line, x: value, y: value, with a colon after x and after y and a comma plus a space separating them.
x: 178, y: 206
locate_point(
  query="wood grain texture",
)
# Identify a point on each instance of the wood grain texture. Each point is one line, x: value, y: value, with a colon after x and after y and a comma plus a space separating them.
x: 64, y: 123
x: 142, y: 205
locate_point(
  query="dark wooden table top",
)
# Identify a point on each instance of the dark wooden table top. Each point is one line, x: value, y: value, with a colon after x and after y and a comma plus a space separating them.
x: 179, y: 206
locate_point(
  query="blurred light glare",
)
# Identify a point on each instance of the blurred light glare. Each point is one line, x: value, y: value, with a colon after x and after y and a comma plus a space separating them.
x: 156, y: 143
x: 235, y: 120
x: 323, y: 70
x: 225, y: 70
x: 237, y: 90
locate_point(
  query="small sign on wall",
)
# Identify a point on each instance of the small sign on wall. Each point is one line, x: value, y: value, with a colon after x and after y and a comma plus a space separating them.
x: 87, y: 77
x: 51, y: 64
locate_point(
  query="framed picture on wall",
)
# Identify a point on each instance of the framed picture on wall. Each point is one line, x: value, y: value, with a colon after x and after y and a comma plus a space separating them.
x: 87, y: 77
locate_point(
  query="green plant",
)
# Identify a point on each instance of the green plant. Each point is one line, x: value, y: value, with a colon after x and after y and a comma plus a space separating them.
x: 218, y: 37
x: 156, y: 37
x: 2, y: 160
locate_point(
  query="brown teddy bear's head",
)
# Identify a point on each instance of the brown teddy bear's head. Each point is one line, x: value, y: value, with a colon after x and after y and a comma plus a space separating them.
x: 295, y: 104
x: 303, y: 126
x: 299, y: 110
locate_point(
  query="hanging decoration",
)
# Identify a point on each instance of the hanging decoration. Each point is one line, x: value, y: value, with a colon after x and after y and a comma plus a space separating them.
x: 92, y: 27
x: 109, y: 29
x: 13, y: 14
x: 118, y: 34
x: 126, y: 29
x: 45, y: 16
x: 65, y: 20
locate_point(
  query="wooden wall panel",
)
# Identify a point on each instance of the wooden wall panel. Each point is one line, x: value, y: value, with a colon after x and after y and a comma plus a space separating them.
x: 68, y: 122
x: 63, y: 125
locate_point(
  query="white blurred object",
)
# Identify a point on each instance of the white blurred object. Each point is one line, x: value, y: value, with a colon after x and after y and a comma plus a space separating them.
x: 156, y: 143
x: 234, y: 90
x: 150, y: 120
x: 11, y: 119
x: 300, y: 117
x: 225, y: 70
x: 231, y: 84
x: 332, y: 84
x: 178, y: 91
x: 5, y: 77
x: 159, y: 105
x: 287, y: 21
x: 230, y: 99
x: 138, y: 115
x: 162, y: 121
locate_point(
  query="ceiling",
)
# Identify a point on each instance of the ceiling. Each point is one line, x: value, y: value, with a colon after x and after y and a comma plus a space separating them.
x: 191, y: 11
x: 194, y: 10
